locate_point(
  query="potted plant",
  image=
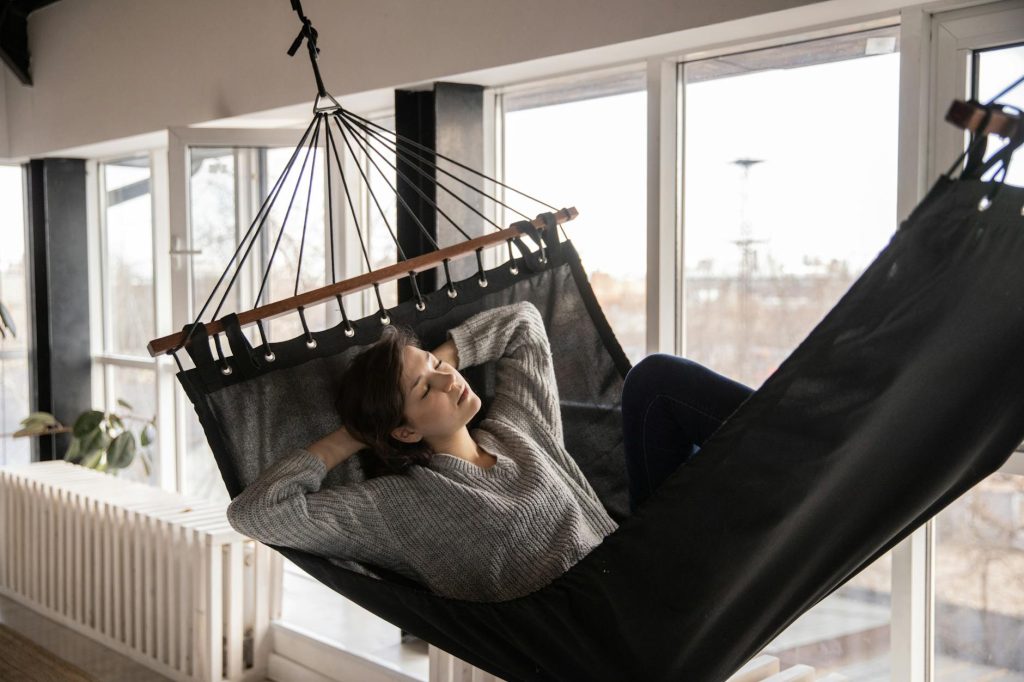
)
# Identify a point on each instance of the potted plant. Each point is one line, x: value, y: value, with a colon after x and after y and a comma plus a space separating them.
x: 99, y: 440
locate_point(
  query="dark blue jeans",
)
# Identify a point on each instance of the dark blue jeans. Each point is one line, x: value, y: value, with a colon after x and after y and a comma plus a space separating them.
x: 670, y: 406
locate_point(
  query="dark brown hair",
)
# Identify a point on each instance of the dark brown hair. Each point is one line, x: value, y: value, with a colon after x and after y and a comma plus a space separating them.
x: 371, y: 404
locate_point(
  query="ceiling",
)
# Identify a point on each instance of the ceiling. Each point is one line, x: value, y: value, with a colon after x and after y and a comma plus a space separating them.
x: 14, y: 35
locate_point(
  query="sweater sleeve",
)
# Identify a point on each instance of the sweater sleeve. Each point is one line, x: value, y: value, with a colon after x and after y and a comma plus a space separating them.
x: 286, y: 506
x: 514, y: 337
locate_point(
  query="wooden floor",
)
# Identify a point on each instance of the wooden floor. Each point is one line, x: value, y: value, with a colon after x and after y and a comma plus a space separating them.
x: 102, y: 663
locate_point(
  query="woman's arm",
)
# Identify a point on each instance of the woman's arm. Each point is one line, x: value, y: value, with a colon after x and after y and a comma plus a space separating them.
x: 448, y: 352
x: 514, y: 337
x: 286, y: 505
x: 336, y: 447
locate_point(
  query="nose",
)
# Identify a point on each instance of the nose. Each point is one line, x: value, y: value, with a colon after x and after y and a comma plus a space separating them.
x: 447, y: 379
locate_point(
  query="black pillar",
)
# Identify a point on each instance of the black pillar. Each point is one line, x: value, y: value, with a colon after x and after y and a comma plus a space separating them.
x: 448, y: 119
x: 61, y: 377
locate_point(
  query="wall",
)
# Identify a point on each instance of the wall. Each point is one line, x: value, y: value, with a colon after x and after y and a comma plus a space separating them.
x: 106, y: 69
x: 4, y: 143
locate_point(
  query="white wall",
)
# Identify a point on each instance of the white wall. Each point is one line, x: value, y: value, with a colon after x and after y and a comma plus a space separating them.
x: 4, y: 143
x: 107, y: 69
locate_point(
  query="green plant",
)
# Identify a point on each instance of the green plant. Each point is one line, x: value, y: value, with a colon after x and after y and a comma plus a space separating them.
x: 99, y: 440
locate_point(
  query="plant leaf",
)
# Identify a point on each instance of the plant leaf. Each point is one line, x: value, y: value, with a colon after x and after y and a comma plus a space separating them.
x: 125, y: 404
x: 92, y: 459
x: 116, y: 421
x: 147, y: 435
x: 95, y: 440
x: 87, y: 422
x: 74, y: 449
x: 121, y: 451
x: 42, y: 418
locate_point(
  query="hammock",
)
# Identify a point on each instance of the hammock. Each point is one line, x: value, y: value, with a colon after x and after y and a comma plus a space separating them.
x: 906, y: 395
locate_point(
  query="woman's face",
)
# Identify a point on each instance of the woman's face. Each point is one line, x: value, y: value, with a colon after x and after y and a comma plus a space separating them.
x: 438, y: 400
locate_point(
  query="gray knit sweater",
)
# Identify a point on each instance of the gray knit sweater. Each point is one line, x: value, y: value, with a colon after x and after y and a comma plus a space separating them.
x: 460, y: 530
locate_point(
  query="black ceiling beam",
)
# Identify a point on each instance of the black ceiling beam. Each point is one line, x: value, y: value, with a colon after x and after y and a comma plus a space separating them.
x: 14, y: 35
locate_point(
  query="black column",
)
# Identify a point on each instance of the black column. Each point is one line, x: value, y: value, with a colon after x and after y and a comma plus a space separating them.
x: 61, y: 377
x: 448, y: 119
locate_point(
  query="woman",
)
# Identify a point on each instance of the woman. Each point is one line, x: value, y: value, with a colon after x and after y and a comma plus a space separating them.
x: 484, y: 515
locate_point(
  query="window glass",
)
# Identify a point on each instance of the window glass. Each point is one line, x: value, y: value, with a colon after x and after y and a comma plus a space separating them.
x: 214, y: 225
x: 293, y: 242
x: 14, y: 367
x: 782, y: 212
x: 381, y: 214
x: 979, y: 553
x: 128, y: 257
x: 979, y: 583
x: 997, y: 69
x: 585, y: 145
x: 137, y: 387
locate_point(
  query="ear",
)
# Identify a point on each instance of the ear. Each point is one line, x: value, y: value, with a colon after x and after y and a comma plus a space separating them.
x: 406, y: 434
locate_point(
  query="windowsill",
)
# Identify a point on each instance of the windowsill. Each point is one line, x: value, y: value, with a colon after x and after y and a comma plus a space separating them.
x: 313, y: 611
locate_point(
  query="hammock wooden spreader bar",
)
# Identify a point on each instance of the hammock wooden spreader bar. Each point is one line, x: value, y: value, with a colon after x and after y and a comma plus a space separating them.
x: 173, y: 342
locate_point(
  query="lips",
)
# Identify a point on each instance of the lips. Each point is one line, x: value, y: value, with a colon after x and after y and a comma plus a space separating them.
x: 462, y: 396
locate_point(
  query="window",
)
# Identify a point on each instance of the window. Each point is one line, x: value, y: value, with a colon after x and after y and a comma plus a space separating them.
x: 584, y: 143
x: 979, y: 548
x: 996, y: 69
x: 781, y: 216
x: 14, y: 350
x: 128, y: 299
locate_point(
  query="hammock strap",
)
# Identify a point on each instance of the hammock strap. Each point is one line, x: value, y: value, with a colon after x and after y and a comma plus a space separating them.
x: 412, y: 185
x: 373, y: 195
x: 261, y: 216
x: 349, y: 329
x: 284, y: 221
x: 348, y: 196
x: 269, y: 355
x: 428, y: 150
x: 452, y: 291
x: 433, y: 180
x: 310, y: 35
x: 405, y: 154
x: 421, y: 304
x: 225, y: 368
x: 305, y: 217
x: 310, y: 341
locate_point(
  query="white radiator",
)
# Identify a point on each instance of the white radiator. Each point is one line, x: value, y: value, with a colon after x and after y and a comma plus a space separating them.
x: 158, y: 577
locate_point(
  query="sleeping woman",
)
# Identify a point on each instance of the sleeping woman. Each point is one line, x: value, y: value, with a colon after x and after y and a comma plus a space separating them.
x: 487, y: 514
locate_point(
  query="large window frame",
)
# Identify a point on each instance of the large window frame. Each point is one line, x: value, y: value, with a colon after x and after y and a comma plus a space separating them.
x: 933, y: 39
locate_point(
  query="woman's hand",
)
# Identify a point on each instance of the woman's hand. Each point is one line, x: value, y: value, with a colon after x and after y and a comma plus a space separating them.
x: 336, y: 447
x: 448, y: 352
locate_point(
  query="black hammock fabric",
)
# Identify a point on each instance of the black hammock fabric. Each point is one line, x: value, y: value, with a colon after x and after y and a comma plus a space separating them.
x: 906, y: 395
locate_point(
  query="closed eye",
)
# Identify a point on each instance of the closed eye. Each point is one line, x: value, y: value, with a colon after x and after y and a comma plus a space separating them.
x: 437, y: 366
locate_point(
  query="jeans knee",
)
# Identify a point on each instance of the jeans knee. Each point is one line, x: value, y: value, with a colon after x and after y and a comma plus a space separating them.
x: 646, y: 376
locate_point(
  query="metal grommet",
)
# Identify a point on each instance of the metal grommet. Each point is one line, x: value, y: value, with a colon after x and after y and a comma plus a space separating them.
x: 482, y: 281
x: 514, y: 270
x: 544, y: 260
x: 984, y: 204
x: 226, y: 370
x: 350, y: 331
x: 270, y: 357
x: 452, y: 293
x: 311, y: 343
x: 385, y: 318
x: 421, y: 306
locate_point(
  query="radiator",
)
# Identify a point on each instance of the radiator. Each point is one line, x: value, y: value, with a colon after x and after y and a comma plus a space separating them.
x: 158, y: 577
